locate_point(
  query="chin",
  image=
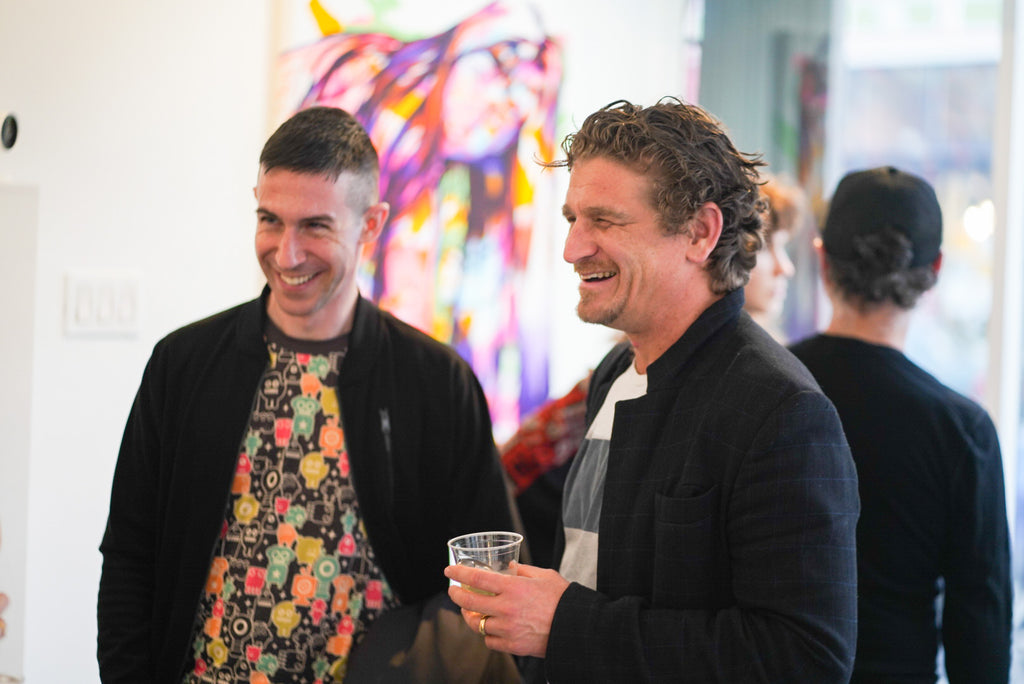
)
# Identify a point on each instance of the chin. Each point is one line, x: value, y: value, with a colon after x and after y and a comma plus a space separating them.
x: 597, y: 316
x: 755, y: 309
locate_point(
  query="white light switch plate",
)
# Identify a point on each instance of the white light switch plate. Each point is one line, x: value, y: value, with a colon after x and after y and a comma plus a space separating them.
x: 99, y: 304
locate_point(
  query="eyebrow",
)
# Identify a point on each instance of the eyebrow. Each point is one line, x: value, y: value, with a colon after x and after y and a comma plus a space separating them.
x: 598, y: 212
x: 319, y: 218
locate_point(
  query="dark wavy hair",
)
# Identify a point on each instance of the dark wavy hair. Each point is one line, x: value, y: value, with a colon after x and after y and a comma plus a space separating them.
x: 325, y: 141
x: 691, y: 161
x: 880, y: 272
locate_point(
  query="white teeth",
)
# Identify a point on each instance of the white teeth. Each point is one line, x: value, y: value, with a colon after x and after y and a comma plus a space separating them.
x: 595, y: 276
x: 295, y: 281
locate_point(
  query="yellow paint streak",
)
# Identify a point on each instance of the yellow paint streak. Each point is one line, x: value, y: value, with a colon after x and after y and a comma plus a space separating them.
x: 328, y: 24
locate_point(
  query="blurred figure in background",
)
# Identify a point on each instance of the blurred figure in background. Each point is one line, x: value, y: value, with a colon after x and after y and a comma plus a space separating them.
x: 933, y: 508
x: 765, y: 292
x: 3, y: 606
x: 537, y: 459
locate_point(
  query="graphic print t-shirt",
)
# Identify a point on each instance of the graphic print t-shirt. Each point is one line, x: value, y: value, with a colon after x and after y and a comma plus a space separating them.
x: 584, y: 486
x: 293, y: 583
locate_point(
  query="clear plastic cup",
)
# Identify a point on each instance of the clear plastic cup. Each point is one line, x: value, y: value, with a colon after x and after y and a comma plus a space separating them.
x: 492, y: 551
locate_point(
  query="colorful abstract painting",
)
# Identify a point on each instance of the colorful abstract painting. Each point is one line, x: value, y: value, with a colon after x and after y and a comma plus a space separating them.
x: 460, y: 121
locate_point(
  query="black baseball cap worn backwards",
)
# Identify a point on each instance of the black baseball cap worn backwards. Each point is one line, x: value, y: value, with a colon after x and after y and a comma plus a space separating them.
x: 865, y: 202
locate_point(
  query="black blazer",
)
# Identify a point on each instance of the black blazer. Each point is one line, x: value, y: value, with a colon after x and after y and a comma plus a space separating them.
x: 726, y: 542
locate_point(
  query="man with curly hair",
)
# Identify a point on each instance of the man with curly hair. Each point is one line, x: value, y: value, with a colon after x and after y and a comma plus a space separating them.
x: 709, y: 517
x: 932, y: 542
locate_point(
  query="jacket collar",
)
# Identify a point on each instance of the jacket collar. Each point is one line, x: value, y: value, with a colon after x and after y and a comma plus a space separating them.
x: 363, y: 343
x: 364, y: 338
x: 725, y: 311
x: 251, y: 324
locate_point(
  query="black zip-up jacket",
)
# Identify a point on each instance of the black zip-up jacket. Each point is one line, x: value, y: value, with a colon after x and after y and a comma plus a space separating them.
x: 419, y: 439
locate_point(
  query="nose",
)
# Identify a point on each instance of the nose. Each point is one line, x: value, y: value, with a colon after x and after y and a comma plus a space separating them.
x: 289, y: 253
x: 783, y: 264
x: 578, y: 244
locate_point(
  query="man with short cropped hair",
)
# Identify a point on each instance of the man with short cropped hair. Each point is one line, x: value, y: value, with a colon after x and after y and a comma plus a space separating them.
x: 292, y: 468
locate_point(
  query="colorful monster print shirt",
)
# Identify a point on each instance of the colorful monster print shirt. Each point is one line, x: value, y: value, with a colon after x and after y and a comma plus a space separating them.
x: 293, y: 584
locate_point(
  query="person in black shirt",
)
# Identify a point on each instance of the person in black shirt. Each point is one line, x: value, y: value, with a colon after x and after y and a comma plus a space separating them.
x: 932, y: 542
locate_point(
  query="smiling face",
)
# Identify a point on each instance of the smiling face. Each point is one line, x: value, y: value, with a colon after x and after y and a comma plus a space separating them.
x: 633, y: 276
x: 308, y: 233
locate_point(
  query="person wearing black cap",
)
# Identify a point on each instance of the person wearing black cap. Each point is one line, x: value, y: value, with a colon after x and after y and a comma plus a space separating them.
x: 932, y: 540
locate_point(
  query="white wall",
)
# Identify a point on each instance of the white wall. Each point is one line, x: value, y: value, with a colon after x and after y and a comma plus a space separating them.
x: 141, y: 123
x: 140, y: 126
x: 19, y: 208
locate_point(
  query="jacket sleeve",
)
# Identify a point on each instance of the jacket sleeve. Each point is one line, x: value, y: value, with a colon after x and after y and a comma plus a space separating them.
x: 977, y: 608
x: 129, y: 548
x: 789, y: 532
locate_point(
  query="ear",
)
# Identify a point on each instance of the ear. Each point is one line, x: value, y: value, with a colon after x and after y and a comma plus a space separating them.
x: 374, y: 219
x: 704, y: 231
x: 937, y: 264
x: 823, y: 270
x: 819, y: 252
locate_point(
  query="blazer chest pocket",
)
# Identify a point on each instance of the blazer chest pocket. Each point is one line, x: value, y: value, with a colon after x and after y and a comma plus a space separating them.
x: 686, y: 540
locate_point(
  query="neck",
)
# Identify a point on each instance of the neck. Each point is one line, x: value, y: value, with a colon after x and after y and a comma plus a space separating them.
x: 326, y: 324
x: 770, y: 322
x: 650, y: 343
x: 884, y: 325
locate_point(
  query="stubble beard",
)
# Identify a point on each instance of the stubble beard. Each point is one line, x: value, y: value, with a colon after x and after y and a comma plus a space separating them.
x: 605, y: 316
